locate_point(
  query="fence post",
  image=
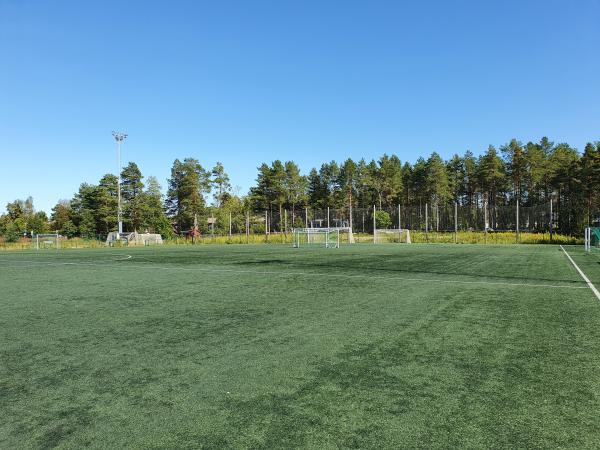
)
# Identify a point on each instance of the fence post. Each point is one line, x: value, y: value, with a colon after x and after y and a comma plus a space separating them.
x: 229, y: 224
x: 374, y: 225
x: 306, y: 217
x: 328, y: 217
x: 485, y: 221
x: 399, y: 218
x: 247, y: 227
x: 266, y: 226
x: 551, y: 224
x: 456, y: 222
x: 517, y: 228
x: 426, y: 224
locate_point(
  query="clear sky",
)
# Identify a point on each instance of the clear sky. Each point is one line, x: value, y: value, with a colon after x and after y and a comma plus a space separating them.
x: 252, y: 81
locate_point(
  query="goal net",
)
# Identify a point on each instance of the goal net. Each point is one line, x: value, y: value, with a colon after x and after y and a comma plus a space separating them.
x: 398, y: 236
x: 325, y: 237
x: 41, y: 241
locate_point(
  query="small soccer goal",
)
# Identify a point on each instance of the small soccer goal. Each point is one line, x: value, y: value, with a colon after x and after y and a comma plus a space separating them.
x: 324, y: 237
x: 42, y: 241
x: 397, y: 236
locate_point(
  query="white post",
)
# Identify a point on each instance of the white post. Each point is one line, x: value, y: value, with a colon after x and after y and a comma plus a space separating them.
x: 37, y: 241
x: 485, y: 220
x: 229, y: 224
x: 585, y: 239
x: 305, y: 217
x: 328, y: 217
x: 517, y: 227
x: 455, y: 222
x: 551, y: 224
x: 374, y: 226
x: 426, y: 224
x: 247, y: 227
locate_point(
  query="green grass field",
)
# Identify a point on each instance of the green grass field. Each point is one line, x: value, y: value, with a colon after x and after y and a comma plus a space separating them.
x: 391, y: 346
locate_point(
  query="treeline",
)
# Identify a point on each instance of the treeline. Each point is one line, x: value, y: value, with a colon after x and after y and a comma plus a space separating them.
x: 531, y: 174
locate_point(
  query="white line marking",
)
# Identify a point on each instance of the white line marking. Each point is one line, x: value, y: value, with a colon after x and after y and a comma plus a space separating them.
x: 306, y: 274
x: 586, y: 279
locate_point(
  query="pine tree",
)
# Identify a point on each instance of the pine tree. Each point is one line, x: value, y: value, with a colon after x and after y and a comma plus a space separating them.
x: 188, y: 184
x: 220, y: 183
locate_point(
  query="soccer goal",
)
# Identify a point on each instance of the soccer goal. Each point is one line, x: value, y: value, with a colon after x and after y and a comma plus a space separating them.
x: 398, y: 235
x: 41, y: 241
x: 325, y: 237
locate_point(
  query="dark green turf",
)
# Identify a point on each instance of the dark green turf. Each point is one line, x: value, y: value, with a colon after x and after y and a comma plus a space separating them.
x: 392, y: 346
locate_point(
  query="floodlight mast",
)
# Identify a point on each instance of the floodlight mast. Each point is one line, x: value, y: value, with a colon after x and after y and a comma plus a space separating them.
x: 119, y: 137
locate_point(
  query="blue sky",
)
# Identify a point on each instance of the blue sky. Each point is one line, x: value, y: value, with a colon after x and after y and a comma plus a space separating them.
x: 247, y: 82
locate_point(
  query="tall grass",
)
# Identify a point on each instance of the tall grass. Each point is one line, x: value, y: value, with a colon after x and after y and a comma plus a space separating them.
x: 462, y: 237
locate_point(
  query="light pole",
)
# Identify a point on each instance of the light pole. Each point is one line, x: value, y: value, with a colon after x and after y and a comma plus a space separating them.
x: 119, y: 137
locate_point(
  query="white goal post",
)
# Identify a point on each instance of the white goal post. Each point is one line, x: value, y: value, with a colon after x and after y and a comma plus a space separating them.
x: 396, y: 235
x: 48, y: 240
x: 326, y: 237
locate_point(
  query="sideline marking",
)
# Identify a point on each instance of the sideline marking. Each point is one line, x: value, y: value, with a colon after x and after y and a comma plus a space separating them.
x: 586, y: 279
x: 306, y: 274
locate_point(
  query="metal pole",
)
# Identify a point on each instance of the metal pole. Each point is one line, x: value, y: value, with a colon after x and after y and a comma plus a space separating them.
x: 517, y: 228
x: 426, y: 224
x: 266, y: 225
x: 456, y: 222
x: 485, y: 221
x: 328, y: 217
x: 305, y: 217
x: 229, y: 224
x: 374, y: 226
x: 350, y: 222
x: 551, y: 224
x: 247, y: 227
x: 399, y: 218
x: 119, y: 187
x: 119, y: 137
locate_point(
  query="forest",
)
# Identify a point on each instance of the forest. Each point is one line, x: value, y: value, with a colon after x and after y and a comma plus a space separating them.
x: 531, y: 174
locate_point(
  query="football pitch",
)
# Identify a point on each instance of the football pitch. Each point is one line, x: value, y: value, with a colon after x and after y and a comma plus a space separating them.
x: 388, y: 346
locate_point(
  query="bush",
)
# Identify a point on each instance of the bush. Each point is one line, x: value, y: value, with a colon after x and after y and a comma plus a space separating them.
x: 382, y: 220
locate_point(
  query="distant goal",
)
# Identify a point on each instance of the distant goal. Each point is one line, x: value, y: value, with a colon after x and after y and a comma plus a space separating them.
x: 42, y: 241
x: 323, y: 237
x: 386, y: 236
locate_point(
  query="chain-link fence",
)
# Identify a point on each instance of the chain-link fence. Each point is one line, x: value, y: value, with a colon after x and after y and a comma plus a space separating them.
x: 425, y: 218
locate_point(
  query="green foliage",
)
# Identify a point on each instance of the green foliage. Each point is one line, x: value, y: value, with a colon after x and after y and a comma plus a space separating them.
x: 185, y: 197
x: 533, y: 173
x: 382, y: 219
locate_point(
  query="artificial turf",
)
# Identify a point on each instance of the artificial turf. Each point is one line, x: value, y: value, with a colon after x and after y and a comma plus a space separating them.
x: 390, y: 346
